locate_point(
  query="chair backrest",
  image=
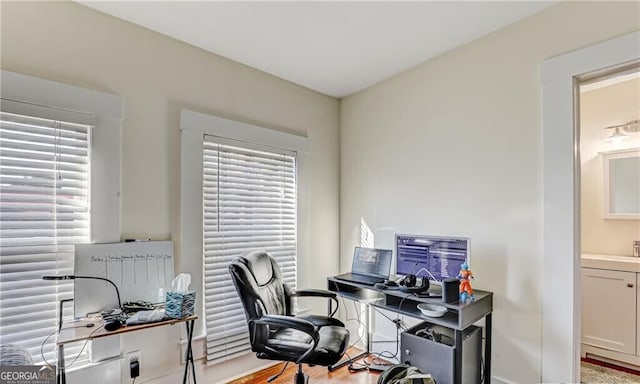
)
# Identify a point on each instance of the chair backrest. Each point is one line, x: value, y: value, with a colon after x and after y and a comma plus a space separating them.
x: 259, y: 284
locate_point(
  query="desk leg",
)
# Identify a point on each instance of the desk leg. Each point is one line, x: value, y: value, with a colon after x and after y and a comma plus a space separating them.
x: 457, y: 368
x: 62, y: 378
x: 487, y: 350
x: 189, y: 354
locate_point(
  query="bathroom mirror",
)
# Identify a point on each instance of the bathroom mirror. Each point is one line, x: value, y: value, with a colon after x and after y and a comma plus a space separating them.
x: 622, y: 184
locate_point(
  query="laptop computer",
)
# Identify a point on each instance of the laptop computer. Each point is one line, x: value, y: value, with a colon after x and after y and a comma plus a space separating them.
x: 370, y: 266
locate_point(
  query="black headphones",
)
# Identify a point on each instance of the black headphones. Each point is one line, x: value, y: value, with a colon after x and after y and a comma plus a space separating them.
x: 409, y: 284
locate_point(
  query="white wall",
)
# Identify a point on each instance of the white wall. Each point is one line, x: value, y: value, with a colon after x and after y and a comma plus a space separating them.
x: 157, y: 76
x: 454, y: 147
x: 599, y: 108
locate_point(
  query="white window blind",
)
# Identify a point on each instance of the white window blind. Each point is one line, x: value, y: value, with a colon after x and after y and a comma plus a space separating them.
x: 249, y: 203
x: 44, y: 211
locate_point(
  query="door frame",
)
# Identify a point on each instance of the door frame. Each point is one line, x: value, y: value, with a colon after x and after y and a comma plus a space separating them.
x: 560, y: 355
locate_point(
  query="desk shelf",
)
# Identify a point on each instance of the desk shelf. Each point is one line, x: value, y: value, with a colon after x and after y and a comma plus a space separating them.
x: 459, y: 315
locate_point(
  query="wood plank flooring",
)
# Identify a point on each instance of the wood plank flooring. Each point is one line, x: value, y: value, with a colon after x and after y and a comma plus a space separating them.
x: 317, y: 375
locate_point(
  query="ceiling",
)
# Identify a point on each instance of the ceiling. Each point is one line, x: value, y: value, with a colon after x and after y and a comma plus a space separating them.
x: 336, y: 48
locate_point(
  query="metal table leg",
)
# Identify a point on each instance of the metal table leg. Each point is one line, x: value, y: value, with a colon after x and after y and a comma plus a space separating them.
x: 487, y: 350
x: 62, y: 378
x: 189, y: 354
x: 457, y: 367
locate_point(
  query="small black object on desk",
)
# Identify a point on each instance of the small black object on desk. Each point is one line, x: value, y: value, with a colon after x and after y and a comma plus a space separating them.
x: 450, y: 290
x: 409, y: 284
x: 112, y: 325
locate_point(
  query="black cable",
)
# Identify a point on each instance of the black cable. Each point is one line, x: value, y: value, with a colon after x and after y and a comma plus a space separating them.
x: 397, y: 320
x: 398, y: 323
x: 358, y: 319
x: 389, y: 354
x: 383, y: 354
x: 352, y: 365
x: 402, y: 301
x: 358, y: 313
x: 347, y: 319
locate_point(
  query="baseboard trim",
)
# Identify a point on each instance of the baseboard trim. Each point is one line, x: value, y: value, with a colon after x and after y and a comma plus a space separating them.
x: 623, y: 359
x: 612, y: 364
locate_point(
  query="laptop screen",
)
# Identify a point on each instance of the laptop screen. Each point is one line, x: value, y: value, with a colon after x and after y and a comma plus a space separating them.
x: 372, y: 262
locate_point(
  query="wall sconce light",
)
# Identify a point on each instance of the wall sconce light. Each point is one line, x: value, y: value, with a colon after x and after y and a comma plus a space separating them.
x: 621, y: 132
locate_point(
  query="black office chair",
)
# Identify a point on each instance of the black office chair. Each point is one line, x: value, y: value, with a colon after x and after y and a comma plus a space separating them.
x: 275, y: 334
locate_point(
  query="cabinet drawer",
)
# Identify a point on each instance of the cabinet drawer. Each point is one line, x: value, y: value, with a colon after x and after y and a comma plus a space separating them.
x: 609, y: 300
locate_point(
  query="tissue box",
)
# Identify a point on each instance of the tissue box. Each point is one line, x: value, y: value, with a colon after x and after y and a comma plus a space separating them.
x: 180, y: 304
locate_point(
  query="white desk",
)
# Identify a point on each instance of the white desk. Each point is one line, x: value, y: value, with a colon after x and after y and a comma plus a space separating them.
x: 72, y: 332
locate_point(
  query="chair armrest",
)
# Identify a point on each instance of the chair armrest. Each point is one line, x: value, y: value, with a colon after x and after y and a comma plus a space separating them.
x: 314, y: 293
x: 318, y: 293
x: 301, y: 325
x: 280, y: 321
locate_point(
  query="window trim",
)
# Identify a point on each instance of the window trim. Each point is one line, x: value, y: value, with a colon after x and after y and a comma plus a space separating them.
x: 27, y: 94
x: 194, y: 125
x: 32, y: 96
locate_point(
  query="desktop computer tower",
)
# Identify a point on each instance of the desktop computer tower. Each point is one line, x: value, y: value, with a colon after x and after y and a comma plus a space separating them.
x: 431, y: 348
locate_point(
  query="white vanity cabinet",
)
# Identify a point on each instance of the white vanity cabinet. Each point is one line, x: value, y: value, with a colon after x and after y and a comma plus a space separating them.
x: 610, y: 305
x: 638, y: 314
x: 609, y: 300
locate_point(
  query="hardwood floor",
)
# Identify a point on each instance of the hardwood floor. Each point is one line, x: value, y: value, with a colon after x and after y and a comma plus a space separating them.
x: 317, y: 375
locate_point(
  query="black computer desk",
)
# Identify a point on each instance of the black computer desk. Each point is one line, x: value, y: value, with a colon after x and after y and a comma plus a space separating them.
x: 459, y: 316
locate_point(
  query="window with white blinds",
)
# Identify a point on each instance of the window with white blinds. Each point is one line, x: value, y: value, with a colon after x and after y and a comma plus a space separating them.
x: 249, y: 203
x: 44, y: 211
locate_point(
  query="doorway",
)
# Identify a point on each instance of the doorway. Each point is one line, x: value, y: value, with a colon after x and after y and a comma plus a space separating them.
x: 608, y: 134
x: 561, y: 308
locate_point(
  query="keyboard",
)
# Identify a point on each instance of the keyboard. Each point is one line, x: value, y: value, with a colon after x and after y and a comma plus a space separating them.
x: 360, y: 279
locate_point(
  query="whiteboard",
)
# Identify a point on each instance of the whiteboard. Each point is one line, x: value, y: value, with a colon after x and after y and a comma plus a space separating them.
x: 139, y: 269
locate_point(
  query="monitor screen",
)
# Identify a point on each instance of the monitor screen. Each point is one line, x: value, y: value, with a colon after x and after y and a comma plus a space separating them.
x: 371, y: 261
x: 435, y: 257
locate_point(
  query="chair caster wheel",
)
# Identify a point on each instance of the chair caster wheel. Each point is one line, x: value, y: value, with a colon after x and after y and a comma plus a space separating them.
x: 301, y: 378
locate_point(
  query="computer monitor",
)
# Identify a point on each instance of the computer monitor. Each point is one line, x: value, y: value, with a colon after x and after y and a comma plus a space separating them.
x: 435, y: 257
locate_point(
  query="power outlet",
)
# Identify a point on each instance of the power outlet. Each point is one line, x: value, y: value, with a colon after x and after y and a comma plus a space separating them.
x: 134, y: 358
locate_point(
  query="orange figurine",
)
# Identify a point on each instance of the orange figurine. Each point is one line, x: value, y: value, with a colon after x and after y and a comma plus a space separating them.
x: 465, y: 276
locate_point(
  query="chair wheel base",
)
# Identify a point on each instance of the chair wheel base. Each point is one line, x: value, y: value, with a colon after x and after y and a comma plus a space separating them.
x: 301, y: 378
